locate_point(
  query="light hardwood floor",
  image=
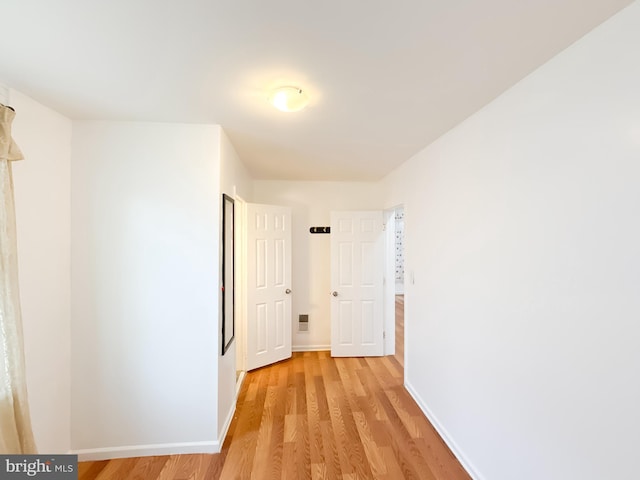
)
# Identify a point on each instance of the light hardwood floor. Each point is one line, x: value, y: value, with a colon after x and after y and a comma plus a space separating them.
x: 400, y: 329
x: 312, y: 417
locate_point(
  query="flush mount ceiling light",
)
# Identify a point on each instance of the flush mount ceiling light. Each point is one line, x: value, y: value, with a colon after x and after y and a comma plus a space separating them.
x: 289, y: 99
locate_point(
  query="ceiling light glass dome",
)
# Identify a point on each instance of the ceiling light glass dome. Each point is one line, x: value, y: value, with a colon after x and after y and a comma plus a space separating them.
x: 289, y: 99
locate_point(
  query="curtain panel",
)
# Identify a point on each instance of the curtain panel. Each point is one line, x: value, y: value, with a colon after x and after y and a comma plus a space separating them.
x: 16, y: 436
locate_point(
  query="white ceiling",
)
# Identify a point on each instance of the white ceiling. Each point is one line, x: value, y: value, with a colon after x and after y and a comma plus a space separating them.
x: 385, y: 78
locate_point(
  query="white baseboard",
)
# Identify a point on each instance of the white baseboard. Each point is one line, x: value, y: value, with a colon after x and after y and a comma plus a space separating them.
x: 453, y: 446
x: 239, y: 383
x: 232, y: 411
x: 310, y: 348
x: 227, y: 424
x: 93, y: 454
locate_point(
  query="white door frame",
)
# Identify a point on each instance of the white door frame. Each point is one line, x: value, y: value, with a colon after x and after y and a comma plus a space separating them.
x: 390, y: 282
x: 389, y: 300
x: 241, y: 283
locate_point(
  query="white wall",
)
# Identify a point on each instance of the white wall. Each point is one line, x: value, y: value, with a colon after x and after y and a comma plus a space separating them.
x: 145, y: 269
x: 234, y: 181
x: 41, y: 183
x: 523, y: 237
x: 311, y: 204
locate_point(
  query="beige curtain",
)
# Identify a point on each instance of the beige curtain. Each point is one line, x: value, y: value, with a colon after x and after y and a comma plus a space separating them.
x: 16, y: 435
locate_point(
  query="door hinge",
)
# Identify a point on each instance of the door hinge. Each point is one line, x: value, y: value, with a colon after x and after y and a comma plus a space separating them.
x: 384, y: 334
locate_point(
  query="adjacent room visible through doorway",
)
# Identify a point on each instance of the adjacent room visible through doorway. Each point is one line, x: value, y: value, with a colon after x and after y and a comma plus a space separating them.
x: 400, y: 329
x: 399, y: 283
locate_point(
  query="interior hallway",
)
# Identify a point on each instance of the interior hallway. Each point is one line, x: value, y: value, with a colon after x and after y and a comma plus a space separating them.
x: 312, y: 417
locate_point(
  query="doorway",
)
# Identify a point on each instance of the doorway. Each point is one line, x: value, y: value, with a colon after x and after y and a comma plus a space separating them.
x: 399, y: 283
x: 395, y: 283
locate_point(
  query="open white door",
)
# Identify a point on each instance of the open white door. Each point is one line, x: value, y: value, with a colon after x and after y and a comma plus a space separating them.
x: 357, y: 266
x: 269, y: 284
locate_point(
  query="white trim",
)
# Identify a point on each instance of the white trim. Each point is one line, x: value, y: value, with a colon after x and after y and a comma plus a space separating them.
x: 310, y: 348
x: 227, y: 424
x: 108, y: 453
x: 232, y: 411
x: 239, y: 384
x: 453, y: 446
x: 241, y: 282
x: 389, y: 292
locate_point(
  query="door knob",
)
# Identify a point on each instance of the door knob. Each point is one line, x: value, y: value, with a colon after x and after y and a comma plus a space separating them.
x: 335, y: 294
x: 287, y: 291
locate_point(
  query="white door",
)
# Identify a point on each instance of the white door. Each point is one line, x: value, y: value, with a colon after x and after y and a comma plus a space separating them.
x: 269, y: 284
x: 357, y: 267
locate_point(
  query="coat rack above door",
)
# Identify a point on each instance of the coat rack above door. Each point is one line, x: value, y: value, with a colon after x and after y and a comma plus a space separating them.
x: 320, y: 230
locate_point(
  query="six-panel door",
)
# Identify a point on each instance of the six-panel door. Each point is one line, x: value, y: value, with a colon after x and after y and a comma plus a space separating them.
x: 269, y: 284
x: 357, y: 263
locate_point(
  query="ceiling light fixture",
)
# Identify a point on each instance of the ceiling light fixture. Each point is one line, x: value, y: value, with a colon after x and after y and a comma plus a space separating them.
x: 289, y: 99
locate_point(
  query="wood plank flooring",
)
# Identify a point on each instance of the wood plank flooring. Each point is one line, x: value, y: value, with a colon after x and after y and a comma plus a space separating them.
x: 400, y: 329
x: 312, y: 417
